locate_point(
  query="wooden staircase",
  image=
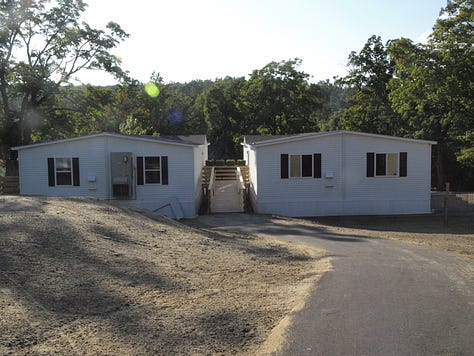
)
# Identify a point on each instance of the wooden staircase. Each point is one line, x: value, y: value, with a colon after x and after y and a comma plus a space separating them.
x: 206, y: 175
x: 225, y: 189
x: 244, y: 170
x: 226, y: 197
x: 225, y: 173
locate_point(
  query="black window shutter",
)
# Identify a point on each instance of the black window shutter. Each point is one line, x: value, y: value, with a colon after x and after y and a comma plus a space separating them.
x: 403, y: 164
x: 306, y: 165
x: 51, y: 180
x: 380, y: 164
x: 370, y: 164
x: 139, y: 170
x: 317, y: 165
x: 164, y: 170
x: 284, y: 166
x: 75, y: 172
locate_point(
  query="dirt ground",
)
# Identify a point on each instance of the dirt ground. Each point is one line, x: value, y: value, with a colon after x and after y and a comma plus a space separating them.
x: 425, y: 230
x: 80, y: 276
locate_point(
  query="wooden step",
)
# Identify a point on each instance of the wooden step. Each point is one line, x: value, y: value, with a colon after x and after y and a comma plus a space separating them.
x: 225, y: 173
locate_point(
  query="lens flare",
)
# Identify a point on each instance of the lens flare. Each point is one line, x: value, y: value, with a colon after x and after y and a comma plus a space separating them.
x: 175, y: 116
x: 152, y: 90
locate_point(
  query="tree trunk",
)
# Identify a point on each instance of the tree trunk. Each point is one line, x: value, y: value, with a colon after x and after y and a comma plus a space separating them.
x: 11, y: 164
x: 440, y: 167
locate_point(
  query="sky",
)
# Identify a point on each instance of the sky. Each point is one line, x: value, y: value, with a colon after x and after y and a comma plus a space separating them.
x: 185, y: 40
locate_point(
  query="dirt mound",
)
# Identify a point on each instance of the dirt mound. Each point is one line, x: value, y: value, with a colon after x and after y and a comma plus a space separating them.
x: 83, y: 276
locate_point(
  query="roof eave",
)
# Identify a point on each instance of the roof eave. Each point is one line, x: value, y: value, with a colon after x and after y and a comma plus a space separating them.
x: 106, y: 134
x: 289, y: 139
x: 331, y: 133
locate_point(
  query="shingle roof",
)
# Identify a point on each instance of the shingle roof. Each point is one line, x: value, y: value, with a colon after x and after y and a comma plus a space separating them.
x: 186, y: 139
x: 190, y: 140
x: 264, y: 140
x: 260, y: 138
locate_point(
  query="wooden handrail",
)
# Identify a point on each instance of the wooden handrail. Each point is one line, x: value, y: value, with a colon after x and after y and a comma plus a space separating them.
x: 240, y: 179
x: 211, y: 181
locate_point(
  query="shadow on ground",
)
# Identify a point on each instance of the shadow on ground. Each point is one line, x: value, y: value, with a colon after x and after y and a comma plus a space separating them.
x: 268, y: 224
x: 51, y: 278
x: 429, y: 223
x: 66, y: 288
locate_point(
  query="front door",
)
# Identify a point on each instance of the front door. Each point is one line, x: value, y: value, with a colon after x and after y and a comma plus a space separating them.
x: 121, y: 173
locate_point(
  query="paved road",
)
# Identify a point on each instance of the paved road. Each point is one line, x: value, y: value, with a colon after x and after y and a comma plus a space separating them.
x: 382, y: 298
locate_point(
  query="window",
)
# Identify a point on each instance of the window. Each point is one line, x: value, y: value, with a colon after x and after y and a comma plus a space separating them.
x: 295, y: 166
x: 63, y: 171
x: 152, y: 170
x: 392, y: 164
x: 386, y: 164
x: 301, y: 165
x: 308, y: 165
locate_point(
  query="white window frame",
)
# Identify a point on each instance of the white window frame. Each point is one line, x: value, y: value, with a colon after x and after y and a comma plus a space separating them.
x: 145, y: 170
x: 56, y: 171
x: 301, y: 165
x: 397, y: 161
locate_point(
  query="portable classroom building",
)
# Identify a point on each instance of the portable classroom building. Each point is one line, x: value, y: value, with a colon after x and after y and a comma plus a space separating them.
x: 338, y: 173
x: 159, y: 173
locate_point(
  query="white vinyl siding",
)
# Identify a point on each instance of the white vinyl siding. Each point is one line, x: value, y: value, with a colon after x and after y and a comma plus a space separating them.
x: 94, y: 157
x: 180, y: 174
x: 249, y: 155
x: 344, y: 188
x: 34, y: 169
x: 200, y: 157
x: 292, y: 196
x: 389, y: 194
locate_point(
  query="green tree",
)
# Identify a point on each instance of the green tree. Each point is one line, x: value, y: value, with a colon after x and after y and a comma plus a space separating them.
x: 43, y: 45
x: 278, y: 99
x: 220, y: 105
x: 433, y: 87
x: 195, y: 122
x: 80, y: 110
x: 369, y: 107
x: 334, y: 104
x: 172, y: 112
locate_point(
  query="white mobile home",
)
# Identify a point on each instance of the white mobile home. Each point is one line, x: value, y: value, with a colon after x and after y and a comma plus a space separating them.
x: 159, y: 173
x: 338, y: 173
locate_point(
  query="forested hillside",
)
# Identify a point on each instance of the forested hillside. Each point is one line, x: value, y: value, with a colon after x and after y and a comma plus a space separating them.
x: 394, y: 87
